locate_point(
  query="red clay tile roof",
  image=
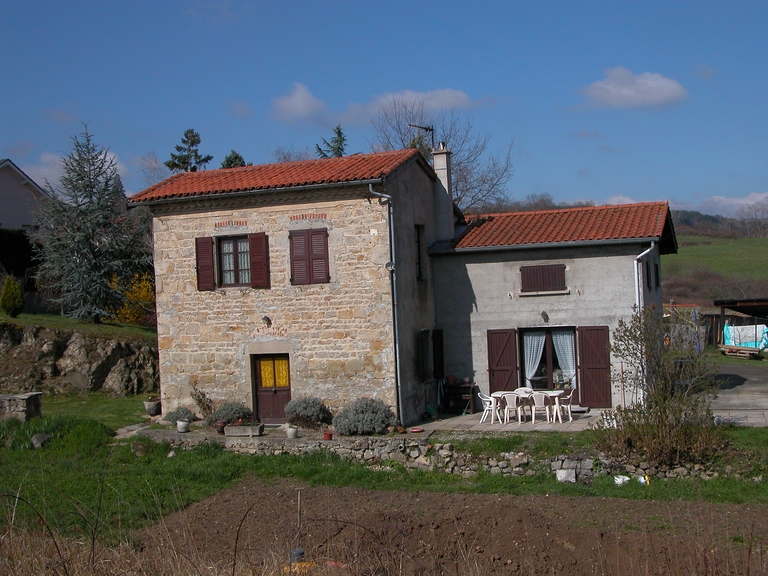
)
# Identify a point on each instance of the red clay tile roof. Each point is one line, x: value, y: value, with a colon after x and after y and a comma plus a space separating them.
x: 650, y: 221
x: 275, y: 176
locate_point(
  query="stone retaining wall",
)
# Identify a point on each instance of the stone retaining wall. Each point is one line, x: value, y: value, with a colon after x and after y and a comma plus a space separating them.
x: 20, y: 406
x: 419, y: 453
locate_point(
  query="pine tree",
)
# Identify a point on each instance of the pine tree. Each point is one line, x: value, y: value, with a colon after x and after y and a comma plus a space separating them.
x: 335, y: 148
x: 233, y: 160
x: 188, y: 158
x: 89, y: 247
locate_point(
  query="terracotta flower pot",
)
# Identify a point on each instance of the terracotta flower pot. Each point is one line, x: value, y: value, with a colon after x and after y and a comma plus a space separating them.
x: 220, y: 425
x: 327, y: 435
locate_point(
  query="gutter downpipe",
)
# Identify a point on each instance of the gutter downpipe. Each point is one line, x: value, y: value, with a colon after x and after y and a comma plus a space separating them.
x: 638, y: 271
x: 390, y: 204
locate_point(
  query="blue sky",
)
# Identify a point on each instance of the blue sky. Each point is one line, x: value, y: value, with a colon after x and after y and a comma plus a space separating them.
x: 604, y: 102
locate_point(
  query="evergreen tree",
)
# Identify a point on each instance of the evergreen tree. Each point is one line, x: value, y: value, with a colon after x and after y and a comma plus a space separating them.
x: 335, y: 148
x: 89, y: 247
x: 188, y: 158
x: 233, y: 160
x: 11, y: 300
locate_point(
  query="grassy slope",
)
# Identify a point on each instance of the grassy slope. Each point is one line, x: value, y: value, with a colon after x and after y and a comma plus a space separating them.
x: 104, y: 330
x: 743, y: 257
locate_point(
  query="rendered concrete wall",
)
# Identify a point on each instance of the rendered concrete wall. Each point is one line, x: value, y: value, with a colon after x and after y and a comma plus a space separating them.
x: 480, y: 291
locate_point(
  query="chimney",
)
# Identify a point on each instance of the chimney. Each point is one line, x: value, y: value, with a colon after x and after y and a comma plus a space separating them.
x: 444, y: 220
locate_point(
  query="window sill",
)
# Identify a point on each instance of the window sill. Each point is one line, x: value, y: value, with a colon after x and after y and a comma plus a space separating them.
x: 545, y: 293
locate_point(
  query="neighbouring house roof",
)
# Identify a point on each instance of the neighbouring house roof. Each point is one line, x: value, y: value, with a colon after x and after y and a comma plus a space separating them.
x: 748, y: 306
x: 6, y: 163
x: 589, y: 224
x: 356, y: 169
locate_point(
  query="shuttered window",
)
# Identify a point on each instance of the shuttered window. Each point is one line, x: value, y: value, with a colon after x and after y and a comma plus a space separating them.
x: 242, y: 261
x: 309, y: 256
x: 546, y: 278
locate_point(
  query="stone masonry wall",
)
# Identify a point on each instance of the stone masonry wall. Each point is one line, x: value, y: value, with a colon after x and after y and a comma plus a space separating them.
x: 338, y: 335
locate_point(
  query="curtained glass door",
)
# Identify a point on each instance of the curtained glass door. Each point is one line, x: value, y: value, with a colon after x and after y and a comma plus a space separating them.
x: 272, y: 387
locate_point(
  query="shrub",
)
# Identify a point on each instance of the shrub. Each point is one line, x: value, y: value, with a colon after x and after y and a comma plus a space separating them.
x: 364, y: 416
x: 229, y: 412
x: 203, y: 401
x: 11, y: 300
x: 139, y: 304
x: 308, y: 412
x: 181, y: 413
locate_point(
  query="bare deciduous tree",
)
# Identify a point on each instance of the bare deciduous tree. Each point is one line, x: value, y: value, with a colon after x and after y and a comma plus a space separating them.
x: 754, y: 219
x: 290, y: 154
x: 479, y: 177
x: 152, y: 169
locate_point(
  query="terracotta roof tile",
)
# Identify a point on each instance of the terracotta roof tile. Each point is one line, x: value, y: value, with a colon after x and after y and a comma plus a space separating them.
x: 650, y: 220
x: 275, y: 176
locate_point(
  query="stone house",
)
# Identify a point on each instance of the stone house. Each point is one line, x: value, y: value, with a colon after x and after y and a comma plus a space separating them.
x: 302, y: 278
x: 530, y: 298
x: 21, y: 197
x: 357, y: 277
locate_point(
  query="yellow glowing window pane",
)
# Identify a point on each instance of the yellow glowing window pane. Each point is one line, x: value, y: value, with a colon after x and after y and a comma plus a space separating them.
x: 267, y: 373
x: 281, y: 373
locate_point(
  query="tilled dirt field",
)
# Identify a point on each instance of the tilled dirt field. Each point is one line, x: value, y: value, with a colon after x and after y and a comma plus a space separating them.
x: 356, y: 531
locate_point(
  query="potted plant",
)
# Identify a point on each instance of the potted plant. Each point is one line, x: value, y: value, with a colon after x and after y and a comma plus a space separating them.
x: 246, y: 426
x: 152, y: 405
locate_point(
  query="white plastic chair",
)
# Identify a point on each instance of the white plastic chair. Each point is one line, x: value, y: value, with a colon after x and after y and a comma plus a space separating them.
x: 513, y: 402
x: 489, y: 407
x: 540, y: 401
x: 565, y: 404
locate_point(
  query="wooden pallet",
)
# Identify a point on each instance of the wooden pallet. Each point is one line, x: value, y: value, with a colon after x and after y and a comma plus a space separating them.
x: 740, y: 352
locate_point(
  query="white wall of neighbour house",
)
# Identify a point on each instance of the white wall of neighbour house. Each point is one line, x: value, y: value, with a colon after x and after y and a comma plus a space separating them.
x: 339, y: 335
x: 480, y: 291
x: 19, y: 200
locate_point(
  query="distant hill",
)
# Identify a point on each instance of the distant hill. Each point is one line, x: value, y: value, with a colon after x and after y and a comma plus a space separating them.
x: 690, y: 222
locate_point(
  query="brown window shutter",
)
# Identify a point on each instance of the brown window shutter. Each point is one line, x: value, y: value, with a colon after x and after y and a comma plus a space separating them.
x: 319, y: 256
x: 299, y: 257
x: 206, y: 279
x: 542, y: 278
x: 259, y: 255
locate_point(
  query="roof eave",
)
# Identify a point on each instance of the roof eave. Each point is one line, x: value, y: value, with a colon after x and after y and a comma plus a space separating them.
x: 542, y: 245
x: 252, y: 192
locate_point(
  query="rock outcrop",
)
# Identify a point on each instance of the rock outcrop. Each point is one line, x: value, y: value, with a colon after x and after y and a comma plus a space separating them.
x: 34, y: 358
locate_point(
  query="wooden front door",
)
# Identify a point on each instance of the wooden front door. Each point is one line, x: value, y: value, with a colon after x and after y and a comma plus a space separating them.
x: 272, y: 387
x: 502, y: 360
x: 594, y: 359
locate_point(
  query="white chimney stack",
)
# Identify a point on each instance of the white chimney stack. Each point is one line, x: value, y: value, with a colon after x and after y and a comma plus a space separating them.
x: 443, y: 193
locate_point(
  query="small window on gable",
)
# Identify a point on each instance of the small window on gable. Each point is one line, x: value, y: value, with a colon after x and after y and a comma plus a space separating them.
x: 421, y: 273
x: 309, y: 256
x: 232, y: 261
x: 545, y: 278
x: 648, y: 278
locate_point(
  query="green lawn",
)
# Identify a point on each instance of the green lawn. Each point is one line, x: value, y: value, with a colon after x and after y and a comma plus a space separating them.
x: 113, y: 412
x: 103, y: 330
x: 743, y: 257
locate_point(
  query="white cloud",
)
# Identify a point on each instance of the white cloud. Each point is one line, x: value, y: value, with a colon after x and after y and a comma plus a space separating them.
x: 49, y: 169
x: 299, y: 104
x: 61, y: 116
x: 722, y: 205
x: 240, y: 109
x: 619, y: 199
x: 622, y: 89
